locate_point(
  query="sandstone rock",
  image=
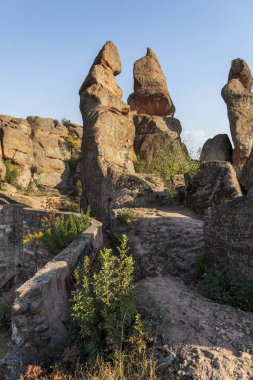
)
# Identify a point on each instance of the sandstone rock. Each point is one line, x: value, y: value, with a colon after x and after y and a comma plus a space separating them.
x: 108, y: 141
x: 100, y: 87
x: 39, y: 150
x: 215, y: 183
x: 154, y: 134
x: 228, y: 236
x: 108, y: 135
x: 218, y: 148
x: 2, y: 165
x: 239, y: 99
x: 151, y: 95
x: 246, y: 174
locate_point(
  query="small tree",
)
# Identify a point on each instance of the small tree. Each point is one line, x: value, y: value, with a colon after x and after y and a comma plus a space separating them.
x: 103, y: 303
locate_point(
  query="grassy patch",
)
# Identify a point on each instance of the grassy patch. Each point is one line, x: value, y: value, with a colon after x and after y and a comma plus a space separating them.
x: 169, y: 163
x: 11, y: 173
x: 222, y: 286
x: 126, y: 216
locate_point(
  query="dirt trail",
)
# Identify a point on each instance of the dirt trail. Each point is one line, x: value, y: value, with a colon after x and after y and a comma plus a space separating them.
x: 200, y: 338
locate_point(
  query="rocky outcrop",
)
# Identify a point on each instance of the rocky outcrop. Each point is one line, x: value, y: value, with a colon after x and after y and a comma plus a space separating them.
x: 218, y: 148
x: 151, y: 95
x: 155, y: 135
x: 239, y: 99
x: 215, y: 183
x: 229, y: 236
x: 108, y: 136
x: 40, y: 150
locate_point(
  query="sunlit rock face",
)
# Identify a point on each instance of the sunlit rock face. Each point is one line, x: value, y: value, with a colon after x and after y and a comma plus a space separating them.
x: 151, y: 95
x: 239, y: 99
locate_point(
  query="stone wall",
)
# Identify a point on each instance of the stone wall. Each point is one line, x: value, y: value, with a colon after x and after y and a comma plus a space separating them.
x: 15, y: 259
x: 7, y: 244
x: 42, y: 303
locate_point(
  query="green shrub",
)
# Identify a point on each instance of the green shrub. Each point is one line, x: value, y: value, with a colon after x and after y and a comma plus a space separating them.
x: 11, y: 173
x: 222, y: 287
x: 74, y: 143
x: 5, y: 312
x: 126, y: 216
x: 169, y: 163
x: 71, y: 204
x: 58, y: 231
x: 103, y: 303
x: 78, y: 188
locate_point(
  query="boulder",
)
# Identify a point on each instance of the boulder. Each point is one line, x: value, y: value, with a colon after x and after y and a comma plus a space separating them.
x: 151, y: 95
x: 229, y: 236
x: 215, y: 183
x: 218, y: 148
x: 108, y: 136
x: 154, y: 134
x: 40, y: 151
x: 239, y: 99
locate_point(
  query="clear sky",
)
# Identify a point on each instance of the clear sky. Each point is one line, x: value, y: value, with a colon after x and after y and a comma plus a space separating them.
x: 47, y: 47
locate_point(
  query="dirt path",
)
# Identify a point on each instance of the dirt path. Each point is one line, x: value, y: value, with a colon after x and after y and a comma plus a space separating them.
x: 200, y: 338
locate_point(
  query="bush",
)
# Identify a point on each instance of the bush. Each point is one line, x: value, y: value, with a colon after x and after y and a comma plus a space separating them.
x: 5, y: 312
x: 78, y: 188
x: 169, y: 163
x: 58, y: 231
x: 11, y: 173
x: 74, y: 143
x: 126, y: 216
x: 103, y: 303
x: 222, y: 287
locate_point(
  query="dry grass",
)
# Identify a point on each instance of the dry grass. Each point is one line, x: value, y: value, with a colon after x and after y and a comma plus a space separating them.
x: 133, y: 365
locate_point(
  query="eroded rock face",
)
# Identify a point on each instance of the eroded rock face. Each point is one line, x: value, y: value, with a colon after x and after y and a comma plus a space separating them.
x: 228, y: 236
x: 151, y: 95
x: 239, y: 99
x: 100, y: 87
x: 39, y: 150
x: 154, y: 134
x: 215, y: 183
x: 108, y: 135
x: 218, y: 148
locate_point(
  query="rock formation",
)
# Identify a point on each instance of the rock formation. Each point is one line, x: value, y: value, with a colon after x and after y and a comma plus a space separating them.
x: 239, y: 99
x: 228, y: 236
x: 215, y: 183
x: 108, y: 135
x: 154, y: 135
x: 38, y: 149
x: 156, y: 130
x: 218, y: 148
x: 151, y: 95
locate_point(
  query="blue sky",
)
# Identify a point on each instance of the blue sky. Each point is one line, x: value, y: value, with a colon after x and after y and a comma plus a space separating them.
x: 47, y: 47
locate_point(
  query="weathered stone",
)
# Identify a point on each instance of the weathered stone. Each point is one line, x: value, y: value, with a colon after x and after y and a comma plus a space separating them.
x: 218, y: 148
x: 246, y: 174
x: 241, y: 71
x: 151, y: 95
x: 239, y: 99
x: 108, y: 138
x: 2, y: 166
x: 39, y: 150
x: 229, y: 236
x: 154, y: 134
x: 100, y: 87
x: 215, y: 183
x: 108, y: 135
